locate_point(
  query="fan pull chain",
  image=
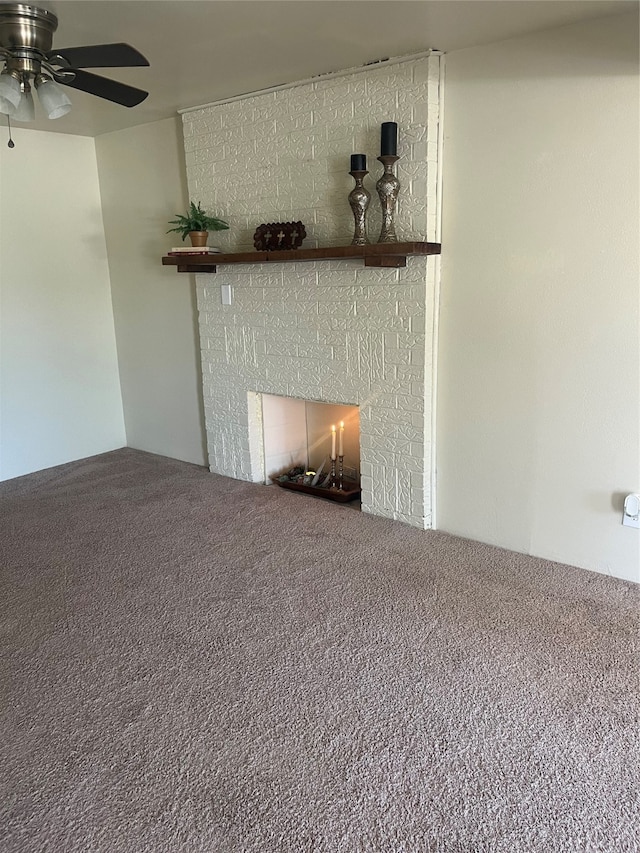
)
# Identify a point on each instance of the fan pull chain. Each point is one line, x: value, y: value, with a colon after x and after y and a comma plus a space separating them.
x: 10, y: 143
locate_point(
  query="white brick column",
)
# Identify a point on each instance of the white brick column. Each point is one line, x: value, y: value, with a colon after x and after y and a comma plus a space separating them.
x: 334, y: 331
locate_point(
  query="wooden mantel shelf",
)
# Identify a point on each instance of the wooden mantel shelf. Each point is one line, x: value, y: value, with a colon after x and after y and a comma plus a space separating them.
x: 373, y: 255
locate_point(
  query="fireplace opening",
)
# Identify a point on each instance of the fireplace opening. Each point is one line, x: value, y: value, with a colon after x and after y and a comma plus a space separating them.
x: 305, y: 434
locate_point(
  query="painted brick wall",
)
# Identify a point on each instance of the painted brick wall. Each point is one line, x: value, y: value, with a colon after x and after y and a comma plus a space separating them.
x: 332, y: 331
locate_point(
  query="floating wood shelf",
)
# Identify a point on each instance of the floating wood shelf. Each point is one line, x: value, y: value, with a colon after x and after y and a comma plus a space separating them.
x: 373, y: 255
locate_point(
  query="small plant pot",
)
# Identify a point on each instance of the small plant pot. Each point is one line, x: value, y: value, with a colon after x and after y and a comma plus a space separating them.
x: 198, y: 238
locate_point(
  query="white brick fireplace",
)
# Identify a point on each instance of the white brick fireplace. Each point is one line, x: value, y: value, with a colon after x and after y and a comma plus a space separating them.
x: 332, y: 331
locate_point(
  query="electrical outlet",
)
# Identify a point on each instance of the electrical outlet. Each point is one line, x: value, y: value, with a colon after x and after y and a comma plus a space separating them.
x: 631, y: 512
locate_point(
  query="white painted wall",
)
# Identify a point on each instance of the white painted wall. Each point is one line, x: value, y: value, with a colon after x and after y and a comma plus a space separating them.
x: 539, y: 403
x: 59, y: 386
x: 143, y: 185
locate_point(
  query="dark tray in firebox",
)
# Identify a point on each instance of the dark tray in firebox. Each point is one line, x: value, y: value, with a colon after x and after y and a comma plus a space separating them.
x: 350, y: 492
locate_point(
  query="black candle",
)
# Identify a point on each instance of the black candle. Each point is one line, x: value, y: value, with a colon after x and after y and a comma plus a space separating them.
x: 358, y: 162
x: 389, y: 138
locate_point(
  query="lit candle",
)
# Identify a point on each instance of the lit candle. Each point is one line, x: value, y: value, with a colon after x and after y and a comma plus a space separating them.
x: 341, y: 444
x: 333, y: 441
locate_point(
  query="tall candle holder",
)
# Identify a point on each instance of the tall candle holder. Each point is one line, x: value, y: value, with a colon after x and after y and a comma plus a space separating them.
x: 388, y: 187
x: 359, y: 199
x: 340, y: 473
x: 332, y: 474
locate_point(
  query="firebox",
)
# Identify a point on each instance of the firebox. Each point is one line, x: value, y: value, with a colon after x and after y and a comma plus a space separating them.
x: 308, y: 434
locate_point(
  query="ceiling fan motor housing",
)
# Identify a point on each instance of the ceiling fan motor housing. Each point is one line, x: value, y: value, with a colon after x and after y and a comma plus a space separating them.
x: 26, y: 33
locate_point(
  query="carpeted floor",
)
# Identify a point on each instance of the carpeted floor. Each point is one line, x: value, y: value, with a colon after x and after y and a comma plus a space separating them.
x: 193, y: 664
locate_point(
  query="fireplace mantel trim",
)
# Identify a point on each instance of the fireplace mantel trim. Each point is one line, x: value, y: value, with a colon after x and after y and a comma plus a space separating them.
x: 373, y: 255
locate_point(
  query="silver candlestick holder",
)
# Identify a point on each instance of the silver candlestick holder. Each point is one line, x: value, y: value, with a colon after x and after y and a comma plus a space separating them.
x: 332, y: 481
x: 340, y: 473
x: 388, y: 187
x: 359, y: 199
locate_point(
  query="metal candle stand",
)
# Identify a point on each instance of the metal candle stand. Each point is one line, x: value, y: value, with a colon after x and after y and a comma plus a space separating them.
x: 359, y: 199
x: 337, y: 482
x: 388, y: 187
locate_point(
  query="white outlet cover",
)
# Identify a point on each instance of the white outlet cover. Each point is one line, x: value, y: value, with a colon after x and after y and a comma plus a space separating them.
x: 226, y: 294
x: 631, y: 514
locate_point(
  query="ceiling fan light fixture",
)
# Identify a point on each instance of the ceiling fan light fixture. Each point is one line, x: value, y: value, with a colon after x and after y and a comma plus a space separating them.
x: 53, y: 98
x: 26, y: 36
x: 10, y: 92
x: 26, y: 110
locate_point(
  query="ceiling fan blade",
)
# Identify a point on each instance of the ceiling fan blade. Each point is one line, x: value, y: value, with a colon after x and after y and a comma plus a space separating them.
x: 103, y: 87
x: 118, y: 55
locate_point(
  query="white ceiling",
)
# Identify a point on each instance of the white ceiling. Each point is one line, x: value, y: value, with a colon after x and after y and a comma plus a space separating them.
x: 205, y: 50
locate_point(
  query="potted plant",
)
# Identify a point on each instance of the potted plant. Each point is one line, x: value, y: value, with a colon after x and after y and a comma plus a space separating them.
x: 197, y: 224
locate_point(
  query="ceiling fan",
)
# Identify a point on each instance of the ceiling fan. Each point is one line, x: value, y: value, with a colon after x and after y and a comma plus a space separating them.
x: 26, y: 37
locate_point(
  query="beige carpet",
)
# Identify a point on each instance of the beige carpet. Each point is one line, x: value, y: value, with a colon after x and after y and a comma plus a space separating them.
x: 192, y: 663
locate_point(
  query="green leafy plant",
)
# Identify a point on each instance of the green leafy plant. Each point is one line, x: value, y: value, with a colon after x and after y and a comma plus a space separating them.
x: 196, y: 220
